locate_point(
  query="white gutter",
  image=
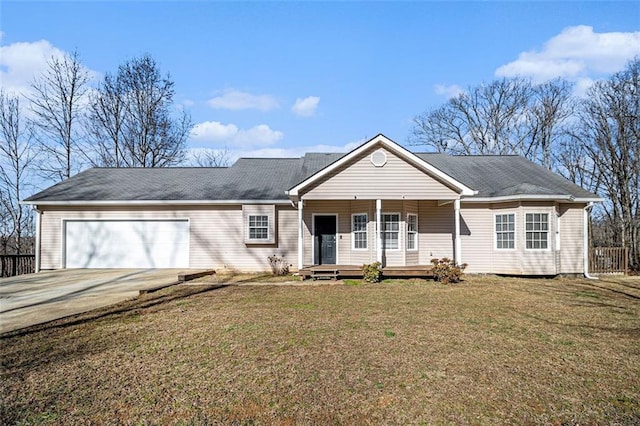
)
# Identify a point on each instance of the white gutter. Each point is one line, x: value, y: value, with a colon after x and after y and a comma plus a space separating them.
x: 152, y: 202
x: 531, y: 197
x: 585, y: 245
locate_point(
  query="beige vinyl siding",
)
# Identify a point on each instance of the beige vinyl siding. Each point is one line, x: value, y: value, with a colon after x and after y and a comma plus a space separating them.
x: 395, y: 257
x: 344, y: 209
x: 216, y: 234
x: 571, y: 238
x: 478, y: 240
x: 436, y: 228
x: 360, y: 257
x: 396, y: 180
x: 539, y: 262
x: 412, y: 257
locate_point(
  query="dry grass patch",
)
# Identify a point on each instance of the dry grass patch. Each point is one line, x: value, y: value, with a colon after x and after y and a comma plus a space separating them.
x: 487, y: 351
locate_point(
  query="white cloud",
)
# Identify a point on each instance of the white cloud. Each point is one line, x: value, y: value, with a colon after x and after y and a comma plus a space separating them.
x: 21, y: 62
x: 293, y: 152
x: 449, y: 91
x: 213, y: 131
x: 234, y: 137
x: 577, y: 52
x: 237, y: 100
x: 305, y: 107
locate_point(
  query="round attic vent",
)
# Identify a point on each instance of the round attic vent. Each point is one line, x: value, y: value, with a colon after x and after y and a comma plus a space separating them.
x: 379, y: 158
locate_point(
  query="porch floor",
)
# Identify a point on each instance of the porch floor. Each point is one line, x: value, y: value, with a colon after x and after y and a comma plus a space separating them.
x: 339, y: 271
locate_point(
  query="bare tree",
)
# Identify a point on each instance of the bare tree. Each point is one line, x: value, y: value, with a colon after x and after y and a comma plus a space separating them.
x: 56, y: 104
x: 16, y: 159
x: 487, y: 119
x: 211, y: 157
x: 609, y: 123
x: 104, y: 122
x: 548, y: 111
x: 508, y: 116
x: 151, y: 135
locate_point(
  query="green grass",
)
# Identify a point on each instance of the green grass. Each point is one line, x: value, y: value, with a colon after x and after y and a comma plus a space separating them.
x: 486, y: 351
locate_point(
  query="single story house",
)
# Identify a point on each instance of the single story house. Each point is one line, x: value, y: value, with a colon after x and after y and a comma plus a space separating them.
x: 379, y: 202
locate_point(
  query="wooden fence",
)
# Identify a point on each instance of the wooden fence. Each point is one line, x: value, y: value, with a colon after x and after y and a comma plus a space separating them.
x: 17, y: 264
x: 608, y: 260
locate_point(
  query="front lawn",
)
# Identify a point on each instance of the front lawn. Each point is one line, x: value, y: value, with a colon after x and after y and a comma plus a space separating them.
x: 486, y: 351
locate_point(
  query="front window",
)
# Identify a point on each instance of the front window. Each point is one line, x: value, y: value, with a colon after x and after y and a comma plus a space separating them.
x: 391, y: 231
x: 412, y: 232
x: 505, y: 231
x: 258, y: 227
x: 359, y: 229
x: 537, y: 230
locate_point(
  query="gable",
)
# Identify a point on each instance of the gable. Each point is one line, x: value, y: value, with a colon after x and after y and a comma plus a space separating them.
x: 392, y: 178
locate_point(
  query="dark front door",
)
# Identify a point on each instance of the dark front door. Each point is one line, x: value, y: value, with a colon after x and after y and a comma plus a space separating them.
x: 324, y: 240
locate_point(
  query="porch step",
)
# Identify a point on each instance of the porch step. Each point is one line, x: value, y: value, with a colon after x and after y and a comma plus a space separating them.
x: 325, y: 274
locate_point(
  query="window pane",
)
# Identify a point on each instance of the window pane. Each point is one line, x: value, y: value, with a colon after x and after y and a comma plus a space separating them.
x: 505, y: 227
x: 258, y: 227
x: 359, y: 230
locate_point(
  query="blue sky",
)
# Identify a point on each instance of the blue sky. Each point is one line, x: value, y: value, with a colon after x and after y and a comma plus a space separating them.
x: 280, y: 79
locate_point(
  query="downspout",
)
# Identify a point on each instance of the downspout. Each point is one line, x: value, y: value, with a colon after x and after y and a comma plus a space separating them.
x: 37, y: 245
x: 585, y: 245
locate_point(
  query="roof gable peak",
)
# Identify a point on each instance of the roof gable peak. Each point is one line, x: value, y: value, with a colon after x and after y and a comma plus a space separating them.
x: 400, y: 151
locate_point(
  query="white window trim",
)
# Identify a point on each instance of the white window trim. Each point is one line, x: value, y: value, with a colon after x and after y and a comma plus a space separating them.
x: 260, y: 240
x: 400, y: 230
x: 515, y: 231
x: 548, y: 231
x: 366, y: 232
x: 416, y: 232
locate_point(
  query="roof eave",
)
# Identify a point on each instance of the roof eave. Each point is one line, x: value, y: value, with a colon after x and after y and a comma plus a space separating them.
x: 533, y: 197
x: 150, y: 202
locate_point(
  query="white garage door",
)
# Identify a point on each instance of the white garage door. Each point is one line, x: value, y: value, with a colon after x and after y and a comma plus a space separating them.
x: 127, y: 244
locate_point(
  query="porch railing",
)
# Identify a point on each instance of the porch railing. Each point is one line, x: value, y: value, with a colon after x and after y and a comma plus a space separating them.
x: 608, y: 260
x: 17, y: 264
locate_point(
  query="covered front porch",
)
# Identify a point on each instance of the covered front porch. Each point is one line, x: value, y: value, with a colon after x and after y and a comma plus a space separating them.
x: 379, y: 203
x: 346, y: 271
x: 337, y: 237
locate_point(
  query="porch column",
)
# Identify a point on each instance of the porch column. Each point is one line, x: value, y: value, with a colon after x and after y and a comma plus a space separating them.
x: 378, y: 231
x: 300, y: 235
x: 38, y: 242
x: 457, y: 242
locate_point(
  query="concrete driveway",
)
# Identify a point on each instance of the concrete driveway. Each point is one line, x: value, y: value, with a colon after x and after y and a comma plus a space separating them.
x: 32, y: 299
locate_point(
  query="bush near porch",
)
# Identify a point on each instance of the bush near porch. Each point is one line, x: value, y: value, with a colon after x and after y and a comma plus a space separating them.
x: 488, y: 351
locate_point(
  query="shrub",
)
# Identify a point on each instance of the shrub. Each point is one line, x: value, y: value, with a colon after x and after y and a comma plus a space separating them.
x: 371, y: 273
x: 447, y: 270
x: 278, y: 265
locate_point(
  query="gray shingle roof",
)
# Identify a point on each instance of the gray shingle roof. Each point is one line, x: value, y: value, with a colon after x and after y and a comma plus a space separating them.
x: 269, y: 178
x: 247, y: 179
x: 506, y: 175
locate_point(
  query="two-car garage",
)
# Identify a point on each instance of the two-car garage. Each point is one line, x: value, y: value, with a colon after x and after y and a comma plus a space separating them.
x: 127, y: 243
